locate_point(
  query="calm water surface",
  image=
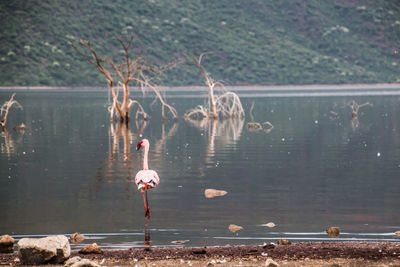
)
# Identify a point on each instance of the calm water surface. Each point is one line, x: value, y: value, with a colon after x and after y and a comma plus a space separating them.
x: 72, y: 171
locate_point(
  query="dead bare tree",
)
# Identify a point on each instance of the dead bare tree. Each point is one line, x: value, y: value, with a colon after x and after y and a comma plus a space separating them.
x: 224, y: 105
x: 355, y: 107
x: 355, y: 123
x: 136, y: 71
x: 5, y: 108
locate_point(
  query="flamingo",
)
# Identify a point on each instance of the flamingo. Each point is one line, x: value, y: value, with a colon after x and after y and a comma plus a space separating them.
x: 146, y: 179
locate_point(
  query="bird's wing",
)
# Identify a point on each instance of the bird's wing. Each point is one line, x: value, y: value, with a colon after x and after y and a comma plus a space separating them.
x: 147, y: 176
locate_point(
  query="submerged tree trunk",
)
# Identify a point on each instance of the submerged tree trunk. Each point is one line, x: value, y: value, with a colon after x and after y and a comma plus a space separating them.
x: 225, y: 105
x: 5, y: 108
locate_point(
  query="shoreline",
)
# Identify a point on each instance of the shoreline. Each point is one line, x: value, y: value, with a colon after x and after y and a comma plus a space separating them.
x: 304, y: 253
x: 204, y: 88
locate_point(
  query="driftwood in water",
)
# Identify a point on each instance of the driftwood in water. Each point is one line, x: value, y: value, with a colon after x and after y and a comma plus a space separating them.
x: 355, y: 107
x: 254, y: 126
x: 354, y: 113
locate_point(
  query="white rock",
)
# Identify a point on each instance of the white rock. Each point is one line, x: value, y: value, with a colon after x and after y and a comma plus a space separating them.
x: 79, y: 262
x: 270, y: 224
x: 271, y: 263
x: 72, y: 261
x: 53, y: 249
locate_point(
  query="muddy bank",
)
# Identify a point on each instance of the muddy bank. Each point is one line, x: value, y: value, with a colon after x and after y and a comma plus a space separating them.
x: 324, y: 250
x: 307, y: 252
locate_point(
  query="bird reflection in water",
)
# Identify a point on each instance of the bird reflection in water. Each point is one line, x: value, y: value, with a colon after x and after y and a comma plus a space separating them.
x: 147, y: 240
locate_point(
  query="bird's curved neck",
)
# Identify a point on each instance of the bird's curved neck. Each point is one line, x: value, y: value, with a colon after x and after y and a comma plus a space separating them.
x: 145, y: 156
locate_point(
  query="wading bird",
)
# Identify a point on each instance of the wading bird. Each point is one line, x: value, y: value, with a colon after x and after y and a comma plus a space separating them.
x: 146, y: 179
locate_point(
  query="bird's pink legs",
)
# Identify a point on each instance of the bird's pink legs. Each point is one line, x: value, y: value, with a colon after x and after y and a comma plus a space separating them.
x: 146, y: 203
x: 148, y: 207
x: 146, y: 215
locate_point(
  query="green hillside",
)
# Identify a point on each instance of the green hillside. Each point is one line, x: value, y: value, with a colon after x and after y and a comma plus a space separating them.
x: 254, y: 41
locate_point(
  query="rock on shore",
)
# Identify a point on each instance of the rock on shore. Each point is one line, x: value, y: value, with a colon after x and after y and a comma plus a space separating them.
x: 91, y: 249
x: 51, y: 249
x: 6, y: 244
x: 79, y: 262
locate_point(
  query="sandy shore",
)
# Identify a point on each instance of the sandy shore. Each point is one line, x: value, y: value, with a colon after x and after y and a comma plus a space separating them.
x: 296, y: 254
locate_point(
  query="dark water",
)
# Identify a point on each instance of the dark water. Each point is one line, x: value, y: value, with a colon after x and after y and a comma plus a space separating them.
x: 73, y: 171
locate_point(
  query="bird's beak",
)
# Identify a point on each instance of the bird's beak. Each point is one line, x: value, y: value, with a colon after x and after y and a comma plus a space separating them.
x: 139, y: 145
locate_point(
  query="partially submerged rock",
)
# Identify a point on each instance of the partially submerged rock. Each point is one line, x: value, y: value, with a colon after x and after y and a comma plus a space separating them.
x: 333, y: 231
x: 256, y: 126
x: 179, y: 242
x: 76, y: 237
x: 211, y: 193
x: 6, y: 244
x: 79, y: 262
x: 270, y: 224
x: 51, y: 249
x: 233, y: 228
x: 91, y: 249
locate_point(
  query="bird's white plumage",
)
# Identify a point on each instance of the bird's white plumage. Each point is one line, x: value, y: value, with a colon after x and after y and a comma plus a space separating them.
x: 146, y: 177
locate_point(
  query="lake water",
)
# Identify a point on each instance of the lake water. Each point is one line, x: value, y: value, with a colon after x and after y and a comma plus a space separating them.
x: 72, y: 171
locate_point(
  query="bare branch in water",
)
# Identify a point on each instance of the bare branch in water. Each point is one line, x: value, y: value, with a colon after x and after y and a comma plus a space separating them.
x: 131, y: 70
x: 256, y: 126
x: 140, y: 110
x: 5, y: 108
x: 355, y: 107
x: 145, y: 82
x: 223, y: 106
x: 253, y: 126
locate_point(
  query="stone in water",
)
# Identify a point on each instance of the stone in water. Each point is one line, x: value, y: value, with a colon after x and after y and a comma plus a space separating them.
x: 333, y: 231
x: 284, y: 242
x: 178, y: 242
x: 233, y: 228
x: 211, y: 193
x: 270, y: 224
x: 77, y: 237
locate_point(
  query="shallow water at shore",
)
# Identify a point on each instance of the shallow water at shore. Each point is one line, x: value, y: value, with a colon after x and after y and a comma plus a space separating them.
x: 72, y: 171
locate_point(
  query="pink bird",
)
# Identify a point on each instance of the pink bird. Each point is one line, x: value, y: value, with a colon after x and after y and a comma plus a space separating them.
x: 146, y: 179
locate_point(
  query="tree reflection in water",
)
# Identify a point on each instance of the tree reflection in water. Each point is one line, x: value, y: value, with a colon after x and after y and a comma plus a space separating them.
x: 7, y: 147
x: 227, y: 132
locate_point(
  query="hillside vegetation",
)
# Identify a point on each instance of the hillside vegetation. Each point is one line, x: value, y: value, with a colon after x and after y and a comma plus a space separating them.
x: 253, y: 41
